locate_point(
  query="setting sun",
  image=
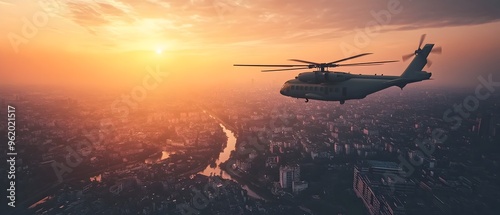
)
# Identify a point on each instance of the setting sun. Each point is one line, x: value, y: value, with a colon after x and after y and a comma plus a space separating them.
x: 159, y: 51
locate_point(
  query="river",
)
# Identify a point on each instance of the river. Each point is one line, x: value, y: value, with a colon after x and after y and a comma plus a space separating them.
x: 223, y: 157
x: 208, y: 171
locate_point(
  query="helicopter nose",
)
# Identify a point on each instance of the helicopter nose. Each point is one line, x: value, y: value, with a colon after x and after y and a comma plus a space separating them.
x: 282, y: 92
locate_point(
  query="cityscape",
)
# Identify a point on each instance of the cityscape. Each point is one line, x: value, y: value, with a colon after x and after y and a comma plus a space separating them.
x: 250, y: 107
x: 256, y: 152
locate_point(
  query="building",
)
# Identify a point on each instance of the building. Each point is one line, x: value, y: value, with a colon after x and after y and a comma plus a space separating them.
x: 288, y: 175
x: 370, y: 132
x: 487, y: 126
x: 298, y: 186
x: 348, y: 149
x: 243, y: 165
x: 272, y: 161
x: 338, y: 148
x: 381, y: 188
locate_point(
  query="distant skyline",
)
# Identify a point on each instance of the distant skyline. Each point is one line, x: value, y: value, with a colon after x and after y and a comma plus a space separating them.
x: 109, y: 43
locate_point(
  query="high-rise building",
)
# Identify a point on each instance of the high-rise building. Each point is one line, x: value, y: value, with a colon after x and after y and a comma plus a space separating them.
x: 380, y: 186
x: 494, y: 125
x: 486, y: 125
x: 348, y: 149
x: 288, y: 175
x: 338, y: 148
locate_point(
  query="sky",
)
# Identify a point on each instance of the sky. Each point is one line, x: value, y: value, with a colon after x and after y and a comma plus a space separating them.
x: 110, y: 43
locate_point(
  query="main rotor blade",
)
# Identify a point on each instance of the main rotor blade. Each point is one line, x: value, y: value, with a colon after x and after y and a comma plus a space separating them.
x: 267, y: 65
x: 355, y: 56
x: 437, y: 50
x: 368, y: 63
x: 408, y: 56
x: 277, y: 70
x: 422, y: 38
x: 303, y: 61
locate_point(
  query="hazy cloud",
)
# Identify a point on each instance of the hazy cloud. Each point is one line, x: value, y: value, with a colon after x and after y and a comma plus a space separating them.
x: 234, y: 21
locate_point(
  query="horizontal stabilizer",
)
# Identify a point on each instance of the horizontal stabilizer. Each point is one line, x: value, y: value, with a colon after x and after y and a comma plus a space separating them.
x: 400, y: 82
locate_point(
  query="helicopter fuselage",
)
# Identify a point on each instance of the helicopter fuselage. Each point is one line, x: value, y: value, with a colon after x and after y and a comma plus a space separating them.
x: 352, y: 87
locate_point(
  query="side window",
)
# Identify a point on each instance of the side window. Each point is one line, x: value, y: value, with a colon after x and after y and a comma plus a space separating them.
x: 293, y: 87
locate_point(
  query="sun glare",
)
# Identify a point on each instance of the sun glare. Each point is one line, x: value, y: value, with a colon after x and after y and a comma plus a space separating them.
x: 159, y: 51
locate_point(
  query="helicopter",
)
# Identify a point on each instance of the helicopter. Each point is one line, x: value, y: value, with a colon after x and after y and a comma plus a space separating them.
x: 324, y: 85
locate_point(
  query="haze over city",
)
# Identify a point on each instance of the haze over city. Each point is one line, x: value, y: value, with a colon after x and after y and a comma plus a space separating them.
x: 109, y: 43
x: 148, y: 107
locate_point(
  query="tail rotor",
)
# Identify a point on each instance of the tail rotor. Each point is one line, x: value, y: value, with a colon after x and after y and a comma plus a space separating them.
x: 436, y: 50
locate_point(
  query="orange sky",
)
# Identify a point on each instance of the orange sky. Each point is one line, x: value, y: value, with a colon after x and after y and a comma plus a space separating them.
x: 111, y: 42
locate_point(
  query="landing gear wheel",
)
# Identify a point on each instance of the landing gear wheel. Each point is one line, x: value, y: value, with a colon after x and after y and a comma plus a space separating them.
x: 307, y: 100
x: 342, y: 102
